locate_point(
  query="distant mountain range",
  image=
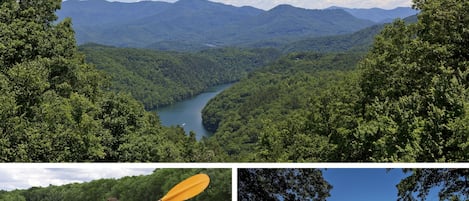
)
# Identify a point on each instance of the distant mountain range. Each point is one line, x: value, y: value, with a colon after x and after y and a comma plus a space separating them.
x: 198, y: 24
x: 379, y: 15
x: 357, y: 41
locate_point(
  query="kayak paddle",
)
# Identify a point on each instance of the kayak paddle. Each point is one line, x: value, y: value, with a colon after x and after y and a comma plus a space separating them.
x: 188, y: 188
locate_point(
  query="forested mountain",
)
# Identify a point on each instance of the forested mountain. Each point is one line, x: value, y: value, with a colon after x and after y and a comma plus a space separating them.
x: 162, y: 78
x: 55, y: 107
x: 379, y: 15
x: 196, y: 23
x: 407, y: 101
x: 91, y: 13
x: 136, y: 188
x: 274, y: 103
x: 357, y: 41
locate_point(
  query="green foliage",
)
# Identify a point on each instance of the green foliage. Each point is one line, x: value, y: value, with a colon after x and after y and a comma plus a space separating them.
x: 162, y: 78
x: 52, y: 104
x: 266, y: 116
x: 135, y: 188
x: 406, y: 102
x: 282, y: 184
x: 414, y: 84
x: 13, y: 196
x: 43, y: 79
x: 451, y: 184
x: 358, y: 41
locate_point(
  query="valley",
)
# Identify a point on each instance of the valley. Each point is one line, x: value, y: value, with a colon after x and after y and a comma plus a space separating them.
x: 312, y: 85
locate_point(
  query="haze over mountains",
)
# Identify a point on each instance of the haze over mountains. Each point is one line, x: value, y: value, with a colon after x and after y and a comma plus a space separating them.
x: 379, y: 15
x: 198, y: 24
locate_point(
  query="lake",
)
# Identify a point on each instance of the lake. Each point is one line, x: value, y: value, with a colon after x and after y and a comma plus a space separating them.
x: 188, y: 113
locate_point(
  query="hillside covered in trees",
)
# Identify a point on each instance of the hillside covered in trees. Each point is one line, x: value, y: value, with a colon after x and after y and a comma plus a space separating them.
x: 199, y: 24
x: 406, y: 100
x: 158, y: 78
x: 403, y: 99
x: 54, y: 106
x: 263, y: 117
x: 136, y: 188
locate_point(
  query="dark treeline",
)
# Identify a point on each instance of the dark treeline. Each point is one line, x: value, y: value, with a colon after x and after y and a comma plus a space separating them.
x: 282, y: 184
x: 135, y: 188
x: 161, y: 78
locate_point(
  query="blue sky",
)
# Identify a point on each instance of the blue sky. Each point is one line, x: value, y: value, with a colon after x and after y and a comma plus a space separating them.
x: 312, y: 4
x: 365, y: 184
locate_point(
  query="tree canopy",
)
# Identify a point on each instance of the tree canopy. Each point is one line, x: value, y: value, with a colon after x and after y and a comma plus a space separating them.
x: 406, y: 100
x: 53, y: 106
x: 451, y: 184
x: 414, y: 85
x: 158, y: 78
x: 279, y: 113
x: 282, y: 184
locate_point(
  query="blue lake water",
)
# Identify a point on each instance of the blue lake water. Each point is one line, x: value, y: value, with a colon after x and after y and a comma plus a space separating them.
x: 188, y: 113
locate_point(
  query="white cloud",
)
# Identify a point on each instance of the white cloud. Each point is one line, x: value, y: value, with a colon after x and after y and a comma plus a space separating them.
x: 29, y: 176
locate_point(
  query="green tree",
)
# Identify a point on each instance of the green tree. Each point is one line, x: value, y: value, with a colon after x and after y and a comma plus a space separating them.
x: 452, y: 184
x: 296, y: 109
x: 55, y: 107
x: 12, y: 197
x: 282, y: 184
x: 52, y: 92
x: 414, y: 86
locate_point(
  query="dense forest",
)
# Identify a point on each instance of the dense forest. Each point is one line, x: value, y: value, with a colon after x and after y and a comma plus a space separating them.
x: 135, y: 188
x: 158, y: 78
x: 55, y: 107
x: 406, y: 100
x: 262, y: 117
x: 402, y: 99
x: 187, y: 25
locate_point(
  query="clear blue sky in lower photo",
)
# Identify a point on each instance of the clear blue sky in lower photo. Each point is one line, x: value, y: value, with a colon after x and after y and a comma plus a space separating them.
x: 365, y: 184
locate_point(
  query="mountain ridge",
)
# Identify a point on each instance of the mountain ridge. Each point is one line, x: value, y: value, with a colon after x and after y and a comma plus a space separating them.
x: 378, y: 15
x: 199, y: 23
